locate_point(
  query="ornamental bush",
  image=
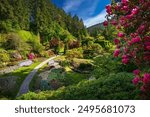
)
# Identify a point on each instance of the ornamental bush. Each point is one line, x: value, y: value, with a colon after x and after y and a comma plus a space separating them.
x: 131, y: 18
x: 116, y: 86
x: 4, y: 58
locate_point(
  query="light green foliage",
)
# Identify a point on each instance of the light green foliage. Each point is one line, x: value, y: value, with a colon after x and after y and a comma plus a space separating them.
x: 4, y: 57
x: 26, y: 35
x: 87, y: 40
x: 74, y: 53
x: 32, y: 40
x: 93, y: 50
x: 106, y: 44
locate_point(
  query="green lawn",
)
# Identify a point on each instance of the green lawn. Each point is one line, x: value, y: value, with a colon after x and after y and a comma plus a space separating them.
x: 21, y: 73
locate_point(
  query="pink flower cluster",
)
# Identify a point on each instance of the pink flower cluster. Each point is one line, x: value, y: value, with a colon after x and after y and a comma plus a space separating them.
x: 105, y: 23
x: 31, y: 56
x: 120, y: 34
x: 131, y: 19
x: 116, y: 41
x: 135, y: 40
x: 108, y: 9
x: 125, y: 59
x: 145, y: 80
x: 116, y: 53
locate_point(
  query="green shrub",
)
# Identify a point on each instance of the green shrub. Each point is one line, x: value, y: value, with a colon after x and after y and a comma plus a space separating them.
x: 32, y: 40
x: 117, y: 86
x: 85, y: 66
x: 104, y: 65
x: 36, y: 45
x: 92, y: 50
x: 74, y: 53
x: 4, y: 58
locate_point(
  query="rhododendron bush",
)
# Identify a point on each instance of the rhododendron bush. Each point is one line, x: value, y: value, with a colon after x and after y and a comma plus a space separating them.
x: 132, y: 20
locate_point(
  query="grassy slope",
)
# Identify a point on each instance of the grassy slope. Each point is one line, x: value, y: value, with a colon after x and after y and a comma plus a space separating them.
x: 21, y: 73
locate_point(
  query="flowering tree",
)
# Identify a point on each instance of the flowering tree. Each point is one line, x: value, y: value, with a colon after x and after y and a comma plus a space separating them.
x: 132, y: 20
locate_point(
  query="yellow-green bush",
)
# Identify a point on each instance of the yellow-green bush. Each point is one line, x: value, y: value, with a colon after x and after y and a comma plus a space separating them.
x: 4, y: 58
x: 74, y: 53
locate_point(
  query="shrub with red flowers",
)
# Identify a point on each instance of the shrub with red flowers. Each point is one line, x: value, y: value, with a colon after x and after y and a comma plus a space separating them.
x: 131, y: 18
x: 31, y: 56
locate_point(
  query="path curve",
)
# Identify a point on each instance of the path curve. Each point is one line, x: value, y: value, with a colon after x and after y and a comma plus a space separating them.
x: 25, y: 85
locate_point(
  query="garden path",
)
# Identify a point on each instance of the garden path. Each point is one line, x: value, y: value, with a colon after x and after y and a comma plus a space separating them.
x: 25, y: 85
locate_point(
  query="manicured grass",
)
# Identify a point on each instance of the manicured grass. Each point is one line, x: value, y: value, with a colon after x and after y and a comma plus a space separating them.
x: 21, y: 73
x: 24, y: 71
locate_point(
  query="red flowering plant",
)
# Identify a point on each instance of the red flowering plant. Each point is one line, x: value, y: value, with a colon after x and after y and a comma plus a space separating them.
x: 31, y: 56
x: 132, y: 20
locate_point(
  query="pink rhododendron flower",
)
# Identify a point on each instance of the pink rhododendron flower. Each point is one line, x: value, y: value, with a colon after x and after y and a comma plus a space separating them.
x: 147, y: 43
x: 136, y: 72
x: 125, y: 56
x: 122, y: 20
x: 105, y: 23
x: 124, y: 2
x: 136, y: 40
x: 114, y: 22
x: 136, y: 80
x: 146, y: 78
x: 129, y: 17
x: 125, y: 8
x: 116, y: 53
x: 31, y: 56
x: 117, y: 7
x: 141, y: 29
x: 116, y: 41
x: 135, y: 11
x: 148, y: 47
x: 108, y: 9
x: 143, y: 88
x: 120, y: 34
x: 125, y: 61
x: 134, y: 35
x: 147, y: 57
x: 147, y: 38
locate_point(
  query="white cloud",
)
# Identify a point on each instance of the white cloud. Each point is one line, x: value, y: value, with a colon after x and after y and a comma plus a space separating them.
x: 72, y: 5
x: 95, y: 20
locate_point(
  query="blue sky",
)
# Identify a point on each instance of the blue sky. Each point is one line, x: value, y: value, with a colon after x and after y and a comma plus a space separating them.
x: 91, y: 11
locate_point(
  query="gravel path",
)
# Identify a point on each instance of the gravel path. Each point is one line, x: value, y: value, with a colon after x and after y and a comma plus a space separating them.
x: 25, y: 85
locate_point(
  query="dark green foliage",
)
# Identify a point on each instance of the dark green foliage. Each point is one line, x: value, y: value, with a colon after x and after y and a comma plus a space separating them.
x: 116, y: 86
x: 38, y: 16
x: 104, y: 65
x: 85, y: 67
